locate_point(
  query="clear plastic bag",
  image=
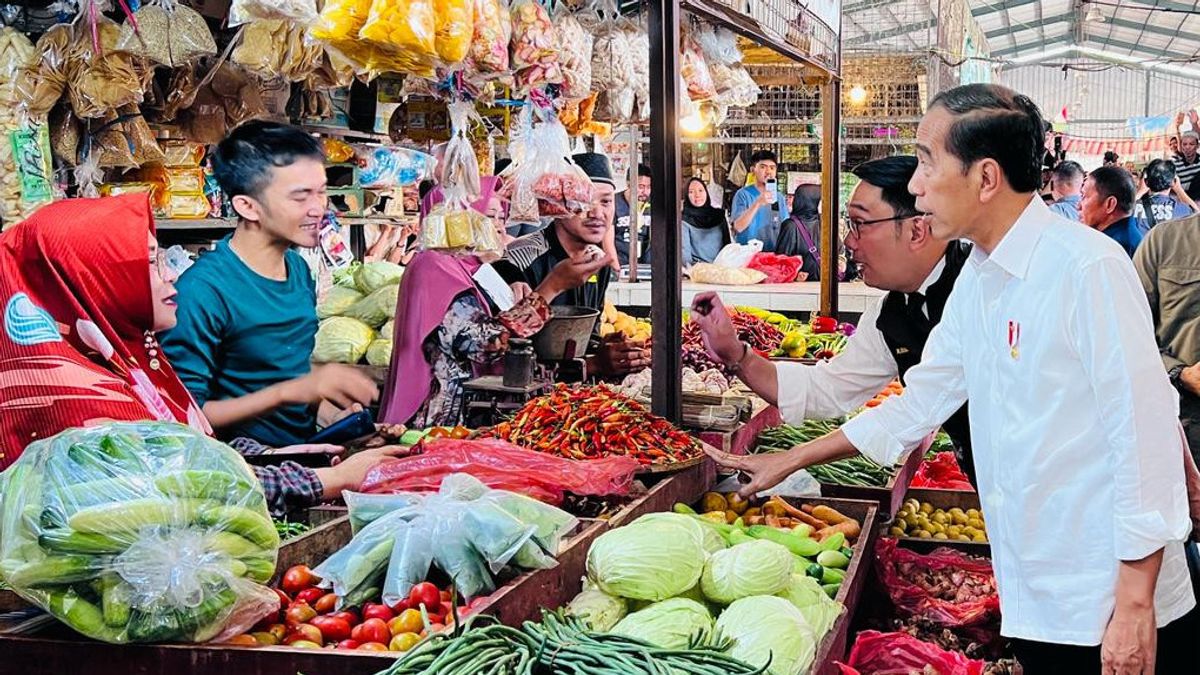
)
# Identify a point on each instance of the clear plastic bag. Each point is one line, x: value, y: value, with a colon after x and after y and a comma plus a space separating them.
x: 639, y: 50
x: 391, y: 166
x: 546, y: 176
x: 102, y: 80
x: 167, y: 33
x: 613, y: 72
x: 719, y: 45
x: 303, y: 12
x: 535, y: 46
x: 576, y: 57
x: 48, y: 79
x: 488, y: 56
x: 139, y: 532
x: 454, y: 224
x: 367, y: 508
x: 454, y: 26
x: 738, y: 255
x: 403, y: 35
x: 695, y: 73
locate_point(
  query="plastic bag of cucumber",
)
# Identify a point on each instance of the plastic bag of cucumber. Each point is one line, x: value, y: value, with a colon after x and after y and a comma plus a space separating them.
x: 138, y: 532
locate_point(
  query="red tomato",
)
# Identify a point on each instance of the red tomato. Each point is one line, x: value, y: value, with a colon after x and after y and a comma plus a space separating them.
x: 371, y: 630
x: 372, y: 610
x: 305, y: 631
x: 297, y: 579
x: 399, y: 607
x: 298, y: 612
x: 279, y: 630
x: 284, y: 600
x: 332, y: 629
x: 305, y: 644
x: 446, y: 595
x: 348, y: 644
x: 447, y: 608
x: 409, y: 621
x: 326, y: 603
x: 242, y: 641
x: 350, y: 616
x: 372, y: 647
x: 310, y: 595
x: 426, y: 594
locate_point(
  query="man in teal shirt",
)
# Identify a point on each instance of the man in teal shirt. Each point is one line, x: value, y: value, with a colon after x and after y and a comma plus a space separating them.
x: 755, y: 211
x: 247, y: 309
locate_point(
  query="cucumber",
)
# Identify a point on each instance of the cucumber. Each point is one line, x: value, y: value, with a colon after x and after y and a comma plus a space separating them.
x: 815, y: 571
x: 115, y: 600
x: 158, y: 626
x: 833, y: 542
x: 232, y: 545
x: 832, y: 576
x: 82, y: 615
x: 215, y: 485
x: 78, y: 496
x: 124, y: 449
x: 56, y: 571
x: 64, y: 540
x: 241, y: 520
x: 833, y: 559
x: 259, y: 569
x: 132, y: 516
x: 801, y: 546
x: 831, y: 589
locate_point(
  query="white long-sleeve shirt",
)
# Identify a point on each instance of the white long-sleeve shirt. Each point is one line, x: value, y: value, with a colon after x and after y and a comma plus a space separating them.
x: 844, y: 383
x: 1073, y: 422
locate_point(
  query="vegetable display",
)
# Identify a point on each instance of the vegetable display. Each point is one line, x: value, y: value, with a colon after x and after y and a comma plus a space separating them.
x: 859, y: 471
x: 769, y: 631
x: 946, y: 587
x: 757, y: 332
x: 559, y: 644
x: 589, y: 422
x: 98, y: 523
x: 922, y: 521
x: 821, y: 337
x: 356, y: 315
x: 671, y: 624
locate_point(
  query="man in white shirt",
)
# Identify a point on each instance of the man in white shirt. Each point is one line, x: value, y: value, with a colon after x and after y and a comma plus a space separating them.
x: 1078, y: 451
x: 895, y: 250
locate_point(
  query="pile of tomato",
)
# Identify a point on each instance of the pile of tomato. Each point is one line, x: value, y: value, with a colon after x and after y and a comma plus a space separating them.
x: 308, y: 618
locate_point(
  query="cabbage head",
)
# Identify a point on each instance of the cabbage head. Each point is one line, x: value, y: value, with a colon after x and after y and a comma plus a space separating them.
x: 373, y: 276
x: 379, y: 353
x: 344, y: 276
x: 342, y: 340
x: 818, y: 609
x: 337, y: 301
x: 375, y: 309
x: 670, y: 624
x: 654, y: 560
x: 711, y: 539
x: 388, y: 330
x: 599, y: 609
x: 757, y: 567
x: 766, y: 627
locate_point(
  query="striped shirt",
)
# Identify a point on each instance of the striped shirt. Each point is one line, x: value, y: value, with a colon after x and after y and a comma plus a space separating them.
x: 1185, y: 171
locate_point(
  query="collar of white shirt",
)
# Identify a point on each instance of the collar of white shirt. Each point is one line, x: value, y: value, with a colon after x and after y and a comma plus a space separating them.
x: 1015, y: 250
x: 933, y: 277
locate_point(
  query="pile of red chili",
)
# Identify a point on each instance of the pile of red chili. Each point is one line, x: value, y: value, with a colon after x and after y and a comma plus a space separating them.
x: 760, y: 335
x: 583, y: 422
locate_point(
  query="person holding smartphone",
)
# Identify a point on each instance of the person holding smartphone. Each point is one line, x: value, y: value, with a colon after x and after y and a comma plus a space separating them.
x: 756, y: 207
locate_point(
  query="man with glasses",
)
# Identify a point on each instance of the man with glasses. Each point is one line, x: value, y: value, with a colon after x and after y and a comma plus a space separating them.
x: 891, y: 243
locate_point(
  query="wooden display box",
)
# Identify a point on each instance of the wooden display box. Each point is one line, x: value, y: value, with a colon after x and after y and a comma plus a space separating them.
x: 946, y: 500
x: 684, y: 486
x: 889, y: 497
x: 741, y: 440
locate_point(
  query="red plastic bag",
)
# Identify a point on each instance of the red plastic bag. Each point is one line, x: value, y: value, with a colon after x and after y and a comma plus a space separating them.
x: 969, y: 580
x: 876, y: 653
x: 780, y: 269
x: 941, y: 472
x: 502, y: 465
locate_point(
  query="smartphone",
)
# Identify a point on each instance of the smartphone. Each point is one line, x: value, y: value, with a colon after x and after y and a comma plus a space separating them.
x: 347, y: 429
x: 772, y: 191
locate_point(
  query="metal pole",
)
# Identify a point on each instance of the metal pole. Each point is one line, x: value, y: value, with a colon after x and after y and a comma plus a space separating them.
x: 635, y: 209
x: 831, y: 103
x: 665, y: 311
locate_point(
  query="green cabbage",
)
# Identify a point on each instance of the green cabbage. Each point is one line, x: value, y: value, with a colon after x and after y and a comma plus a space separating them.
x: 342, y: 340
x: 652, y: 560
x: 766, y: 627
x: 375, y: 309
x: 373, y: 276
x: 379, y: 353
x: 670, y: 624
x: 711, y: 539
x: 757, y: 567
x: 344, y: 276
x: 818, y: 608
x: 388, y: 330
x: 601, y: 610
x: 337, y: 301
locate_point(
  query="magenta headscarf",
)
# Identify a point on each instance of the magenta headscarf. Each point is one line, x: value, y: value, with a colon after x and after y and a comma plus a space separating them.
x: 431, y: 281
x: 488, y: 186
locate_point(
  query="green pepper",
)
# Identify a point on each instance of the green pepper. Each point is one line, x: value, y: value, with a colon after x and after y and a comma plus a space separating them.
x: 801, y: 546
x: 243, y: 521
x: 833, y: 559
x: 81, y: 615
x: 56, y: 571
x: 831, y: 589
x: 64, y: 540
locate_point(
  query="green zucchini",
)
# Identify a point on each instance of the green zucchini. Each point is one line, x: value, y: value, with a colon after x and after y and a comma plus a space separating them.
x: 56, y: 571
x: 243, y: 521
x: 132, y: 516
x: 64, y: 540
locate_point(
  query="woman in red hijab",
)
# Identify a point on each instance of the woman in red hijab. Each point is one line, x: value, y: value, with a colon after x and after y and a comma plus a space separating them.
x: 83, y: 290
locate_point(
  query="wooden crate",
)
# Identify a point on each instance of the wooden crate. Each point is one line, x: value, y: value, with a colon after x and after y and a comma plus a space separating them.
x: 946, y: 499
x: 889, y: 497
x: 685, y: 486
x: 741, y: 440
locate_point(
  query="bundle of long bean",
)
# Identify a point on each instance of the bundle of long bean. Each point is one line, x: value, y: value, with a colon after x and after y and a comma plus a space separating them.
x: 859, y: 471
x: 559, y: 644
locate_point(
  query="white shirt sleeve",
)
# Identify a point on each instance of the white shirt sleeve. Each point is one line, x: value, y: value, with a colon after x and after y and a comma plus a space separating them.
x: 835, y: 387
x: 1112, y: 330
x: 934, y: 389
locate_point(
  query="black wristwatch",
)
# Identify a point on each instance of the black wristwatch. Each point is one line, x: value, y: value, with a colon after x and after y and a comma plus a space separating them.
x: 736, y: 367
x: 1176, y: 374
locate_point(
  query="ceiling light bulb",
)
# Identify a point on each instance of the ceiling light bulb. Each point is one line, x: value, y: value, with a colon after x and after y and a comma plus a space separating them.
x: 858, y: 95
x: 693, y: 123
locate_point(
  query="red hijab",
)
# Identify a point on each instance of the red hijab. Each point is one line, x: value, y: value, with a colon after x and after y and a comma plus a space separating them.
x: 77, y: 309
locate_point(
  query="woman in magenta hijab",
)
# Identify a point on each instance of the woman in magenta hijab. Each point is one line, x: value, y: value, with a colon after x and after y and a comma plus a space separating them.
x: 447, y: 328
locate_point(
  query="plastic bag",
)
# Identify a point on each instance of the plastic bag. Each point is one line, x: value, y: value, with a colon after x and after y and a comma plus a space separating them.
x: 367, y: 508
x: 139, y: 532
x: 535, y: 474
x: 707, y: 273
x: 488, y: 56
x: 390, y: 166
x: 942, y: 473
x: 167, y: 33
x: 897, y: 566
x: 453, y: 223
x: 403, y: 34
x: 876, y: 653
x: 780, y: 269
x: 535, y: 47
x: 576, y: 58
x: 738, y: 255
x: 719, y: 45
x: 303, y: 12
x: 454, y: 25
x: 48, y: 79
x: 695, y: 73
x: 546, y: 176
x: 639, y: 50
x: 102, y: 81
x: 613, y: 73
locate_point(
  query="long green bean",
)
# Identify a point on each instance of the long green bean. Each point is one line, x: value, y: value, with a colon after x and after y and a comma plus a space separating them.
x: 855, y: 471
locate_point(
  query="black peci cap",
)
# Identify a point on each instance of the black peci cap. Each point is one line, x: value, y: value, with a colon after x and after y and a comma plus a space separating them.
x: 596, y: 166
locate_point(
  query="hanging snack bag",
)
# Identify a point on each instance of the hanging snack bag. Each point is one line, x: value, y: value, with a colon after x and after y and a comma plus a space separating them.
x: 454, y: 25
x: 547, y: 175
x: 302, y: 12
x: 576, y: 57
x: 167, y: 33
x: 103, y: 77
x: 612, y: 72
x: 48, y: 78
x: 639, y: 49
x: 535, y: 46
x: 696, y: 74
x: 403, y: 35
x: 488, y: 55
x: 453, y: 224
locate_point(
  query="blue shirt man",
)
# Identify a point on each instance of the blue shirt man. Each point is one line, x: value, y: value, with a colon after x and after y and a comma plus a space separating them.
x: 1107, y: 205
x: 756, y: 215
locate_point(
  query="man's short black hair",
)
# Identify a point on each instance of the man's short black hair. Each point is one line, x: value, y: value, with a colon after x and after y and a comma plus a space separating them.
x: 643, y: 170
x: 243, y: 161
x: 1160, y: 174
x: 995, y: 122
x: 762, y: 156
x: 1111, y: 157
x: 1068, y: 171
x: 1113, y: 181
x: 891, y: 175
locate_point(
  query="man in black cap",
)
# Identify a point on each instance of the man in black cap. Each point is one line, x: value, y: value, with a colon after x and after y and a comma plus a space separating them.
x: 566, y: 264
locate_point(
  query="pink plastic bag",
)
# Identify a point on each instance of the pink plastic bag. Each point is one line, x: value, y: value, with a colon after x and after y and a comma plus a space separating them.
x: 942, y: 473
x: 502, y: 465
x: 897, y: 567
x: 876, y: 653
x: 780, y: 269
